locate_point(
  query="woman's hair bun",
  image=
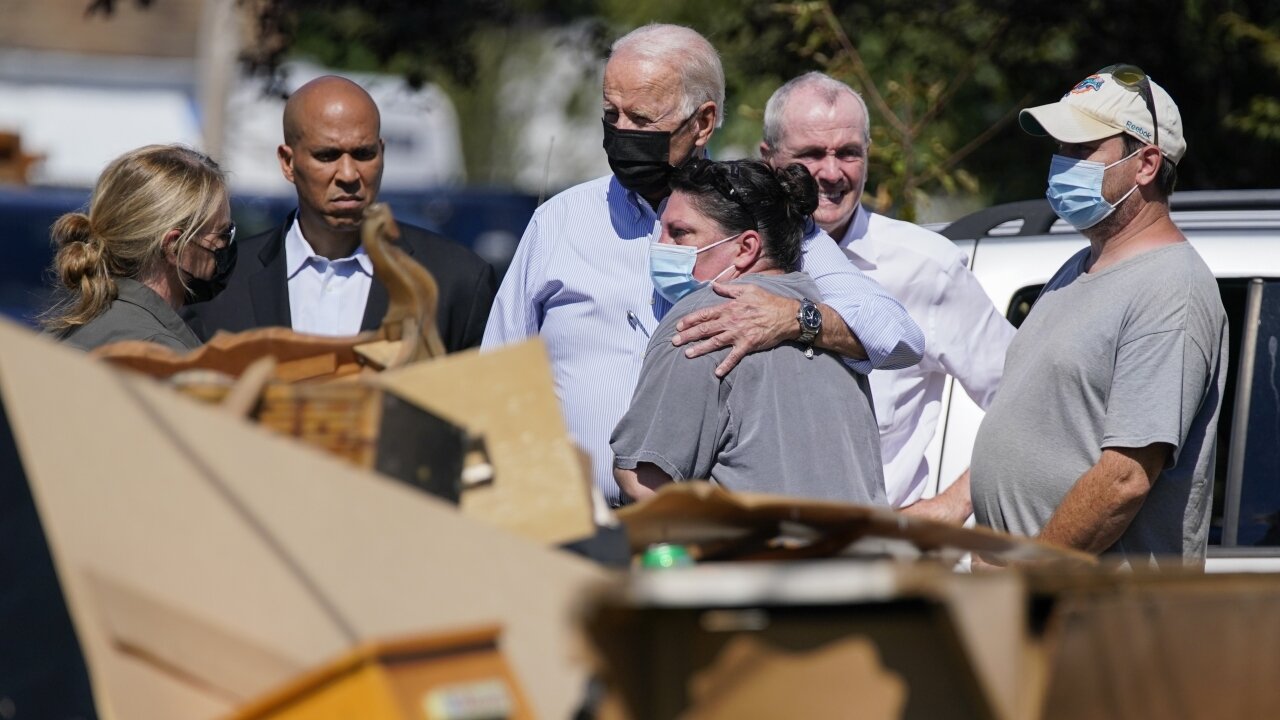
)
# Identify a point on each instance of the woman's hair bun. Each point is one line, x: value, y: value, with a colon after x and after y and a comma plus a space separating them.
x: 74, y: 227
x: 800, y: 189
x: 79, y: 253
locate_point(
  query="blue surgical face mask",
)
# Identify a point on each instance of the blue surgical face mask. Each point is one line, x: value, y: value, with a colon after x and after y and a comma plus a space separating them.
x: 671, y: 267
x: 1075, y: 190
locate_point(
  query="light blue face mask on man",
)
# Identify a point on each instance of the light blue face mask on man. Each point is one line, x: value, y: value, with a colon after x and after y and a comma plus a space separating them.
x: 671, y: 267
x: 1075, y: 190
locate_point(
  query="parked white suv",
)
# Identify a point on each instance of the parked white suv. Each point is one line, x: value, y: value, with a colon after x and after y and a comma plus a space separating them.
x: 1014, y: 249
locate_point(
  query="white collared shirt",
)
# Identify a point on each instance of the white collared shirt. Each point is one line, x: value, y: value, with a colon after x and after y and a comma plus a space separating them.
x: 965, y: 336
x: 326, y: 297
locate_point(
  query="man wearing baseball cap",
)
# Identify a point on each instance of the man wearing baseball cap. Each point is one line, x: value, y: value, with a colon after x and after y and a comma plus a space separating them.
x: 1102, y: 436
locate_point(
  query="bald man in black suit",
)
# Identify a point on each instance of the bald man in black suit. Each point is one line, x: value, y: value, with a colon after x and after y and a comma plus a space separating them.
x: 311, y: 273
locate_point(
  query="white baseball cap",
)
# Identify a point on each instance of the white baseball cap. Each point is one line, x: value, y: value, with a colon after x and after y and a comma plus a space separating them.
x: 1102, y: 105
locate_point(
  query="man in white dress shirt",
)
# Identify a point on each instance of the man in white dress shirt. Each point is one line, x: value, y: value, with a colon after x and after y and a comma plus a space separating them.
x: 822, y: 123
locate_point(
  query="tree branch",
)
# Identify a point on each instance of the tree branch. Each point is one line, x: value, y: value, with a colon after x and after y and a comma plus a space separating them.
x: 960, y: 78
x: 860, y: 69
x: 954, y: 158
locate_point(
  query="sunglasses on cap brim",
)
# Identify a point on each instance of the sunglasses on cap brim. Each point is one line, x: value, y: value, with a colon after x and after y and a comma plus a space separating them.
x: 1133, y: 78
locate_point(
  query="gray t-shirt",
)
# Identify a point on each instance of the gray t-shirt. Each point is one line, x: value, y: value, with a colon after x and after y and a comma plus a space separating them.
x: 779, y: 423
x: 1125, y: 357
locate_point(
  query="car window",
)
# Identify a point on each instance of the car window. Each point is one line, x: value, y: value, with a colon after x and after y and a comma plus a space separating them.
x: 1235, y: 300
x: 1252, y: 501
x: 1021, y: 304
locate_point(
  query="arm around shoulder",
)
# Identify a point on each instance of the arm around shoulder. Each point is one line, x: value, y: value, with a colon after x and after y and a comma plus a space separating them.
x: 883, y: 329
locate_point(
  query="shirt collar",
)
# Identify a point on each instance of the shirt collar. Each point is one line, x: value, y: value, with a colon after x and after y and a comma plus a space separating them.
x: 135, y: 293
x: 298, y: 252
x: 861, y: 247
x: 637, y: 204
x: 857, y: 227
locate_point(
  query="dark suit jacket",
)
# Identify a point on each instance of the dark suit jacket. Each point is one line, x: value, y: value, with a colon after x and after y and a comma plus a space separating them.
x: 257, y: 295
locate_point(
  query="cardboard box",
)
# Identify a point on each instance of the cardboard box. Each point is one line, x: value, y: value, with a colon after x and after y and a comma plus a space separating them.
x: 1080, y: 643
x: 907, y: 641
x: 715, y: 523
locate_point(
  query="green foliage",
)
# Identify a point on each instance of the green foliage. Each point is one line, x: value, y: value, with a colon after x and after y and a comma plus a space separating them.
x: 936, y: 75
x: 1261, y: 119
x: 914, y: 80
x: 944, y: 79
x: 418, y: 40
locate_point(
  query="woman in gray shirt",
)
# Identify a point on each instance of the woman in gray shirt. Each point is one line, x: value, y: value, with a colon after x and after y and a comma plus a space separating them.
x: 158, y: 234
x: 792, y: 420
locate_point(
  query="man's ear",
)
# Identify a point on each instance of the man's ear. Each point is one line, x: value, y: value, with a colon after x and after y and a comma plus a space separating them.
x: 766, y: 152
x: 706, y: 115
x: 284, y: 154
x: 1149, y: 170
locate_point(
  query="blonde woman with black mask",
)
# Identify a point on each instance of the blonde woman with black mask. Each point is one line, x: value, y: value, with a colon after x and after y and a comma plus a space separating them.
x: 158, y: 234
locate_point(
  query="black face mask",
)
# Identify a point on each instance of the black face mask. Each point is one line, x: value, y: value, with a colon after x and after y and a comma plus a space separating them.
x: 639, y: 158
x: 200, y: 290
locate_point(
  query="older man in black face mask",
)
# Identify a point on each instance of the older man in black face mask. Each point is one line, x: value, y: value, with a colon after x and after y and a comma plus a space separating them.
x: 581, y: 276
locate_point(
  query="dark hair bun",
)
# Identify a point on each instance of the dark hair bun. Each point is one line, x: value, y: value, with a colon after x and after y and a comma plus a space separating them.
x: 79, y: 253
x: 800, y: 190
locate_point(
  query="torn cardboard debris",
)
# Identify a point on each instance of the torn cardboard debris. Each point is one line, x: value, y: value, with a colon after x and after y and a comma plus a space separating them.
x: 724, y: 525
x: 152, y: 500
x: 751, y: 678
x: 534, y: 485
x: 912, y: 641
x: 540, y: 488
x: 441, y: 676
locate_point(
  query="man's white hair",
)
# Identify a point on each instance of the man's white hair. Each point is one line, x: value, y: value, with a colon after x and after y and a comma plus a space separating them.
x: 827, y: 87
x: 685, y: 51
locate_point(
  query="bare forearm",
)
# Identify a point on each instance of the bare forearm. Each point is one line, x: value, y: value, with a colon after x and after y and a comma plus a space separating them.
x: 953, y: 505
x: 630, y: 485
x: 641, y: 482
x: 1103, y: 502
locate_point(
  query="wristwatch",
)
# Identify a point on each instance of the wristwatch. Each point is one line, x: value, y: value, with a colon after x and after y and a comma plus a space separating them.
x: 810, y: 319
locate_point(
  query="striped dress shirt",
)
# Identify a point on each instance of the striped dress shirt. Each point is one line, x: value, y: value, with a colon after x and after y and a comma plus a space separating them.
x: 580, y: 279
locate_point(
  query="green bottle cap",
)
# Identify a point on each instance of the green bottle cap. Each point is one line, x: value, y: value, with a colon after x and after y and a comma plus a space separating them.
x: 665, y: 555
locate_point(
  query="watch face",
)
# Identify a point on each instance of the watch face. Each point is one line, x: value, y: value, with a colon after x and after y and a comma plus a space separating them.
x: 811, y: 317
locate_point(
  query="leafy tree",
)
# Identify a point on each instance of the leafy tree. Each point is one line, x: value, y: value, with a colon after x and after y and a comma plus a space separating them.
x: 974, y: 64
x: 911, y: 81
x: 1261, y: 119
x: 944, y: 79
